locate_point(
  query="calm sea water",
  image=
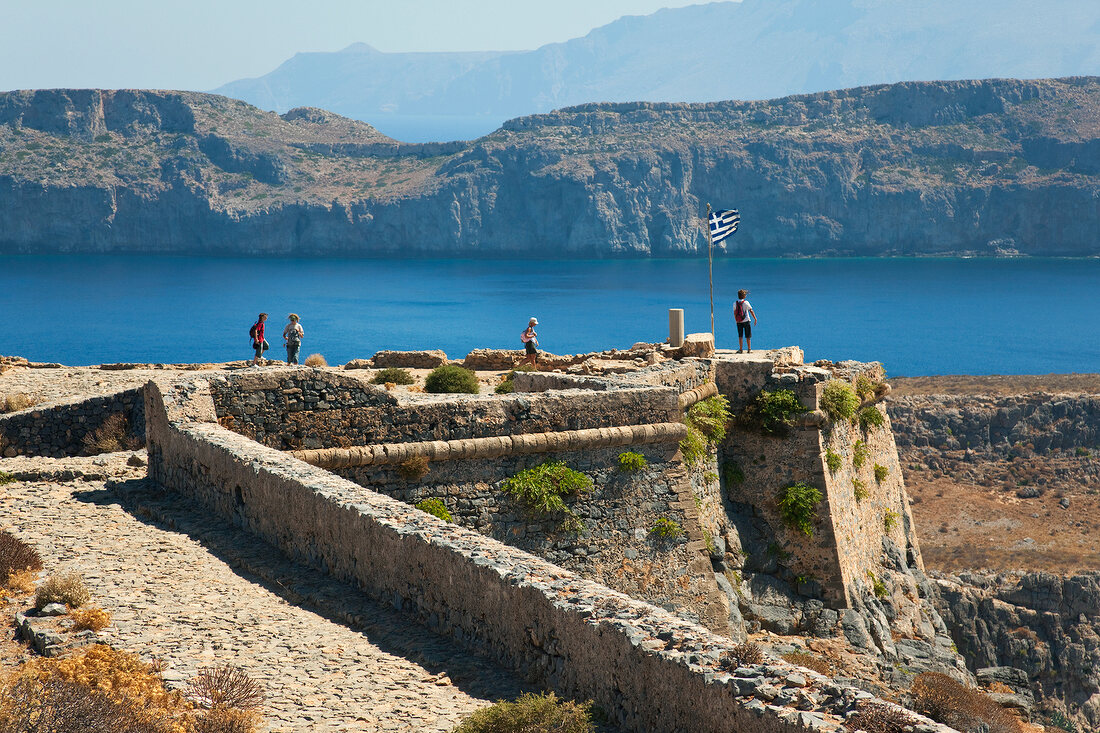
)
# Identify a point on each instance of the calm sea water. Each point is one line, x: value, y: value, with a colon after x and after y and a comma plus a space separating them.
x: 918, y: 316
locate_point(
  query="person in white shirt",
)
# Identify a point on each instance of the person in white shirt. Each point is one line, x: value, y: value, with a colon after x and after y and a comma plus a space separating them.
x: 292, y: 337
x: 741, y: 312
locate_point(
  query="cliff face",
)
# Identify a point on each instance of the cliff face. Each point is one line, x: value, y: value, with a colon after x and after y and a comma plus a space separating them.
x: 939, y: 167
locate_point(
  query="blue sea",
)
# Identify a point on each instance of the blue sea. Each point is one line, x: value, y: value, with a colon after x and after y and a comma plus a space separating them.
x: 917, y: 316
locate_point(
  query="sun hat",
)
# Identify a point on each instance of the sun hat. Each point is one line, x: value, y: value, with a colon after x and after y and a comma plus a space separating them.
x: 534, y: 321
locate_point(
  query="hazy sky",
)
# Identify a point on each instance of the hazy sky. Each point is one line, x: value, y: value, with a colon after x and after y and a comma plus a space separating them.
x: 201, y: 44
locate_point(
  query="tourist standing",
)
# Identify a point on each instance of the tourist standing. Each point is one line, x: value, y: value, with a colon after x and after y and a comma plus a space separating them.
x: 530, y: 342
x: 292, y: 337
x: 741, y: 312
x: 259, y: 345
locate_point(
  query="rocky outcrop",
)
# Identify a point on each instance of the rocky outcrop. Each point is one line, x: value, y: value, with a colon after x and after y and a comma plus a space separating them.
x: 937, y: 167
x: 996, y: 426
x: 1043, y: 626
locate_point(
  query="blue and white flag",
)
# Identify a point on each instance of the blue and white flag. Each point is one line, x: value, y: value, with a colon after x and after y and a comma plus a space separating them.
x: 723, y: 223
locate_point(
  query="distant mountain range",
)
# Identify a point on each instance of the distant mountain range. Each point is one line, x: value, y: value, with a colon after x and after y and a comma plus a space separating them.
x: 984, y: 167
x: 756, y: 49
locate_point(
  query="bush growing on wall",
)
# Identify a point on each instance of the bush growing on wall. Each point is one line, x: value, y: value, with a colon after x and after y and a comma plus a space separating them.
x: 694, y: 447
x: 832, y: 460
x: 860, y: 454
x: 436, y: 508
x: 870, y: 417
x: 451, y: 379
x: 798, y: 507
x: 542, y: 489
x: 735, y: 476
x: 666, y: 529
x: 839, y: 400
x: 881, y: 472
x: 772, y: 412
x: 859, y: 489
x: 711, y: 417
x: 507, y: 385
x: 631, y: 461
x: 413, y: 469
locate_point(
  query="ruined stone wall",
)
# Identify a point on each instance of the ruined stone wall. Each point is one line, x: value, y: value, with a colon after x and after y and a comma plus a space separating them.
x: 59, y: 429
x: 617, y: 545
x: 292, y: 409
x: 649, y: 670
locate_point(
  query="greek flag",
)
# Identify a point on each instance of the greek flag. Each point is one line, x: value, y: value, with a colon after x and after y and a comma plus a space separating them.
x: 723, y: 223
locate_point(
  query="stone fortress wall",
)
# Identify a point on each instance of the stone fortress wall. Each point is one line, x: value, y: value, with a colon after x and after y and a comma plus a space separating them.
x: 650, y: 670
x: 58, y: 429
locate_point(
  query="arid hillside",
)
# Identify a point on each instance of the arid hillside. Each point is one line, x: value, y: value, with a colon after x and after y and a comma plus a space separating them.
x: 985, y: 167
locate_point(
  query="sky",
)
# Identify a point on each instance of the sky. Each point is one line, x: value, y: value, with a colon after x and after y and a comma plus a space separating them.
x: 201, y: 44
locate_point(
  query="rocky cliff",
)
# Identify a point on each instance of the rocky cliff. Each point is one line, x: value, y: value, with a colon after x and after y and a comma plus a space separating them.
x: 940, y: 167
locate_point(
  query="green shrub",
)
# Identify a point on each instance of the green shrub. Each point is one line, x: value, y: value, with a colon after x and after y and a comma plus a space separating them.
x: 1081, y: 452
x: 877, y: 586
x: 451, y: 379
x: 710, y: 477
x: 711, y: 417
x: 530, y: 713
x: 859, y: 489
x: 870, y: 417
x: 734, y: 475
x: 694, y: 447
x: 543, y: 487
x: 6, y: 478
x: 890, y: 520
x: 860, y: 454
x: 839, y: 400
x: 666, y: 529
x: 798, y: 507
x: 394, y: 375
x: 772, y: 412
x: 881, y: 472
x: 631, y: 461
x: 436, y: 508
x: 865, y: 387
x: 832, y: 460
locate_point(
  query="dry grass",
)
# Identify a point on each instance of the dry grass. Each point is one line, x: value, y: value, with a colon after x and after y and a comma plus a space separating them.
x: 227, y: 720
x: 413, y: 469
x: 952, y: 703
x: 112, y: 436
x: 98, y: 691
x: 17, y: 556
x: 821, y: 665
x: 90, y: 619
x: 315, y: 360
x: 878, y: 718
x: 17, y: 402
x: 226, y: 686
x: 64, y: 587
x: 742, y: 655
x: 21, y: 582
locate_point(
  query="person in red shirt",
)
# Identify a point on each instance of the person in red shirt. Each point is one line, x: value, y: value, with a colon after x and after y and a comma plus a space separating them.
x: 258, y: 343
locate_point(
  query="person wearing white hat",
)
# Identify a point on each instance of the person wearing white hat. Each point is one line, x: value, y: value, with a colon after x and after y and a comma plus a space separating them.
x: 530, y: 342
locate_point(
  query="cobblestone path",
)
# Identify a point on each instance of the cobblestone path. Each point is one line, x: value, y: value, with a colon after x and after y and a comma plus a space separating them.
x: 192, y: 590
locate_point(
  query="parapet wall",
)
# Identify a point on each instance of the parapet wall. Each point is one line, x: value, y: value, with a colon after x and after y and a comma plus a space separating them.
x: 58, y: 429
x: 648, y: 669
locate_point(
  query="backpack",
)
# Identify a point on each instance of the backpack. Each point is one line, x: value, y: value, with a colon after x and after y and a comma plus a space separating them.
x: 252, y: 332
x: 739, y: 311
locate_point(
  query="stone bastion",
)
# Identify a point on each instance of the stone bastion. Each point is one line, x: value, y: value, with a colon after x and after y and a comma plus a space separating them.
x: 326, y: 467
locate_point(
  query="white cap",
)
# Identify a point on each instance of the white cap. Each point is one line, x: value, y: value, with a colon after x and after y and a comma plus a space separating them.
x: 534, y: 321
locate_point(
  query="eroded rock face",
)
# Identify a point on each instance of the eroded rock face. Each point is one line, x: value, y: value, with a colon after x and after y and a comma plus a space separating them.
x: 1044, y: 626
x: 875, y: 170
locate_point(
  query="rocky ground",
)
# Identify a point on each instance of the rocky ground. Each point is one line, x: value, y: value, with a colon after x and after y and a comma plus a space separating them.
x: 995, y: 510
x: 192, y: 591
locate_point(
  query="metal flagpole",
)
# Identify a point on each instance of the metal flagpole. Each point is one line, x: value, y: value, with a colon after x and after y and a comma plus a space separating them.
x: 710, y: 274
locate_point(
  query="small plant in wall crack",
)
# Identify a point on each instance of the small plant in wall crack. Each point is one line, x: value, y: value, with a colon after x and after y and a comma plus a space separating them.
x: 838, y: 400
x: 881, y: 472
x: 798, y: 507
x: 877, y: 586
x: 860, y: 454
x: 772, y: 413
x: 859, y: 489
x: 711, y: 417
x: 870, y: 417
x: 629, y: 461
x: 832, y: 460
x: 666, y: 529
x: 543, y: 489
x: 413, y: 469
x: 890, y: 520
x: 436, y: 508
x: 734, y: 475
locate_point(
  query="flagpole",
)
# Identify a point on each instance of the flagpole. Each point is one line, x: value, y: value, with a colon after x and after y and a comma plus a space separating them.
x: 710, y: 275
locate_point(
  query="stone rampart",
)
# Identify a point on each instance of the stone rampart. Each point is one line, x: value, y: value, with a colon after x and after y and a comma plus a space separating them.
x: 648, y: 669
x: 59, y: 429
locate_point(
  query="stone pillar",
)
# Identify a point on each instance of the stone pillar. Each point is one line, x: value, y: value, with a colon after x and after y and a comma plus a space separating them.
x: 675, y: 327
